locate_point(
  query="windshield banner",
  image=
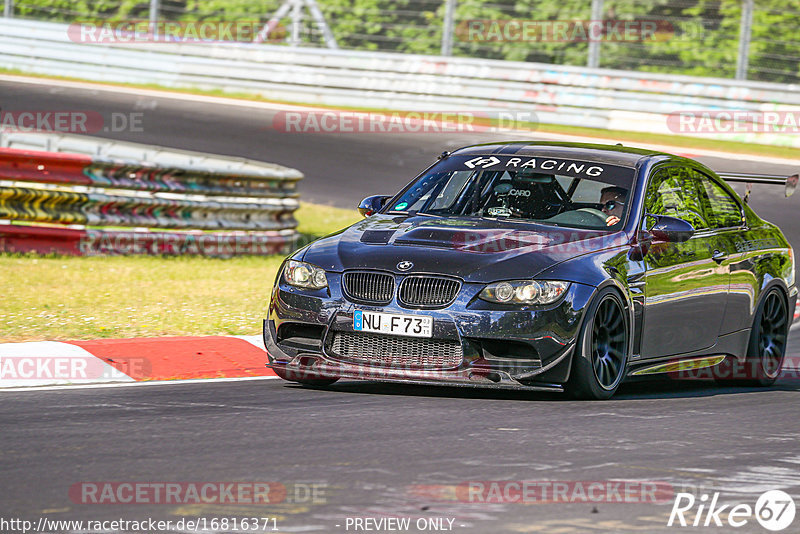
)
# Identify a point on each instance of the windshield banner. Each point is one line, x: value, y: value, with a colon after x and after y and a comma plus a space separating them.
x: 601, y: 172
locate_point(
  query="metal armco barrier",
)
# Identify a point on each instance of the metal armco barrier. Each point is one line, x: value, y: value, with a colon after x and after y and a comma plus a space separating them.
x: 576, y: 96
x: 252, y: 202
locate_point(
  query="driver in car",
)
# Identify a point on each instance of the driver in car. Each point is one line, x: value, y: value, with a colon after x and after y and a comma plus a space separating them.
x: 613, y: 201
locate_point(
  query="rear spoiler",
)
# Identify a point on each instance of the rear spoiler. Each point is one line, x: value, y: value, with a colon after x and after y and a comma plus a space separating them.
x: 789, y: 182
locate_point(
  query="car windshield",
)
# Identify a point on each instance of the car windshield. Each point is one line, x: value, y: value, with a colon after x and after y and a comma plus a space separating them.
x: 555, y: 191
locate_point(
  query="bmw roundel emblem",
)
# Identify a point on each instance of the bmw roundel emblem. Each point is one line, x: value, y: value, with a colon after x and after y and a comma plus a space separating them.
x: 405, y: 265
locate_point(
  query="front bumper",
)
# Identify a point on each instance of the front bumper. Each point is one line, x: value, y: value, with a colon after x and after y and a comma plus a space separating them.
x: 502, y: 348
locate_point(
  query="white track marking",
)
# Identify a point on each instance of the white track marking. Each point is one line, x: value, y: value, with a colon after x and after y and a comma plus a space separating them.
x: 256, y: 341
x: 137, y: 384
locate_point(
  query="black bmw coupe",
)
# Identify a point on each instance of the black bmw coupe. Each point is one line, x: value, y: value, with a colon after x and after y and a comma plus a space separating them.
x: 542, y: 266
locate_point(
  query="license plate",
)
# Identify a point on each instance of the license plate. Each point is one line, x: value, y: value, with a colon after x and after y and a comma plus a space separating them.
x: 393, y: 323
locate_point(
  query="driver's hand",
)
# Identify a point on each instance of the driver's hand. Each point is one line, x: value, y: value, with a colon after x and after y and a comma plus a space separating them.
x: 612, y: 220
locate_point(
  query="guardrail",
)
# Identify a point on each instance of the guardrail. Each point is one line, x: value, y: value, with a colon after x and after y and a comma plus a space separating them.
x: 576, y: 96
x: 232, y: 206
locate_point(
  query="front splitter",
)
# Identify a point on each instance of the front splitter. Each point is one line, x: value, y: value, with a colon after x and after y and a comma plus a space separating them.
x: 314, y: 366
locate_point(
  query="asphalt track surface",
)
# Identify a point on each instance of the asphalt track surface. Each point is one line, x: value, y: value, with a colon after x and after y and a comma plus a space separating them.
x: 378, y: 450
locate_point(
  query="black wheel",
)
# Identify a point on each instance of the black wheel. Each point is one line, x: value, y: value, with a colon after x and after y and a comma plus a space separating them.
x: 766, y: 349
x: 305, y: 378
x: 600, y: 361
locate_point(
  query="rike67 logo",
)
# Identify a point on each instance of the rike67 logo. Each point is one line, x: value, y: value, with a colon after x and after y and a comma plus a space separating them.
x: 774, y: 510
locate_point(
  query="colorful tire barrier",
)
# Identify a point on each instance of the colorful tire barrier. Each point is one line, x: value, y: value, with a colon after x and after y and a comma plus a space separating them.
x: 178, y: 202
x: 81, y: 242
x: 58, y: 168
x: 98, y: 209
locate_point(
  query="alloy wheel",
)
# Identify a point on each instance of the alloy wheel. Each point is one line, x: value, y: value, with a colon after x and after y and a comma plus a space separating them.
x: 609, y: 344
x: 772, y: 334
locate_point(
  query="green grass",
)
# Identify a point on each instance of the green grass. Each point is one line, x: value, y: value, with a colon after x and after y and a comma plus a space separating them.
x: 318, y: 221
x: 60, y: 298
x: 677, y: 141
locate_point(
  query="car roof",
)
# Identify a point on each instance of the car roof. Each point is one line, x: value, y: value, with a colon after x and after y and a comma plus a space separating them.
x: 610, y: 154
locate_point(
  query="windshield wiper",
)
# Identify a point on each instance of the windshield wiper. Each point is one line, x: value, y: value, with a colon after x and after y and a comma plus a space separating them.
x: 423, y: 214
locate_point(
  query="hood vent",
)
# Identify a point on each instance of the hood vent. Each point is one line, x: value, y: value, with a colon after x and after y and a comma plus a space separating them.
x: 376, y: 237
x: 431, y: 237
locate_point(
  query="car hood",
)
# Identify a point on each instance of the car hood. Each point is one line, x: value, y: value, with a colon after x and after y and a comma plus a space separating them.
x: 476, y: 250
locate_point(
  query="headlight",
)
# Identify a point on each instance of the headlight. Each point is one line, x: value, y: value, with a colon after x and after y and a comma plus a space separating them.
x: 524, y: 292
x: 300, y: 274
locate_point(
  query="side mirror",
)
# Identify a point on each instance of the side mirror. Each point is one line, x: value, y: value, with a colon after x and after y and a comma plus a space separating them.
x: 791, y: 184
x: 371, y: 205
x: 671, y: 229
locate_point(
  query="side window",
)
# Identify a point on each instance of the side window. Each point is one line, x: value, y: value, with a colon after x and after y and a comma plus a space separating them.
x: 674, y: 191
x: 721, y: 209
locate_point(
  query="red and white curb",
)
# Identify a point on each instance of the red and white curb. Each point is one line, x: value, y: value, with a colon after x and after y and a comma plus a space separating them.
x: 145, y: 360
x: 105, y: 361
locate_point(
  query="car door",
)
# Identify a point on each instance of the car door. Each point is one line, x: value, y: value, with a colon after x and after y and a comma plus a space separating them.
x: 685, y: 288
x: 725, y: 216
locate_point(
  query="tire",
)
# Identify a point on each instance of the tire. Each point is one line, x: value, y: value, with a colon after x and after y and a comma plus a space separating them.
x: 296, y: 376
x: 766, y: 348
x: 601, y: 356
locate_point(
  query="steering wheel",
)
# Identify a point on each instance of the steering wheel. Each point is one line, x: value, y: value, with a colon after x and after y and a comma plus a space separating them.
x: 597, y: 213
